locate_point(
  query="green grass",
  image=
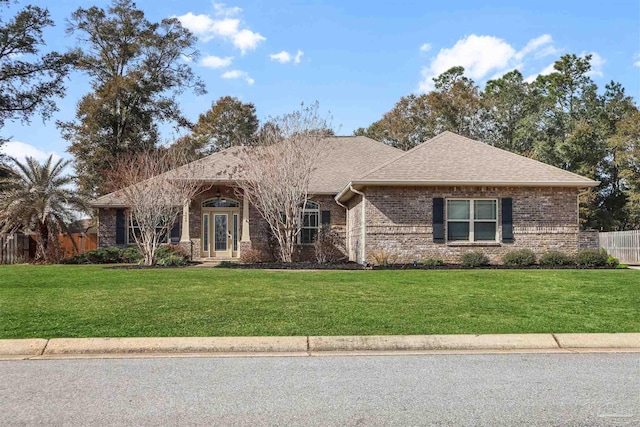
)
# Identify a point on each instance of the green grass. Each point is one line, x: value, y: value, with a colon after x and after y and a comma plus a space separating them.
x: 85, y: 301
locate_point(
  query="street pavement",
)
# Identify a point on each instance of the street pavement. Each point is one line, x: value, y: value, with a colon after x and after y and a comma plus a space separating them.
x: 596, y: 389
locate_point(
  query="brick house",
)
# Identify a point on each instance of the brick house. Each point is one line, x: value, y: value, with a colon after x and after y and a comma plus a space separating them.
x: 446, y: 196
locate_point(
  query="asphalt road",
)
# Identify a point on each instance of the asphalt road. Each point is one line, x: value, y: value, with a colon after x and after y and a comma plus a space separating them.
x: 478, y: 390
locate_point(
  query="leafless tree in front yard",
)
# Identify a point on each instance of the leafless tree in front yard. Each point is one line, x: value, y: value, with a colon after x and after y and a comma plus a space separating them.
x: 276, y: 172
x: 154, y: 185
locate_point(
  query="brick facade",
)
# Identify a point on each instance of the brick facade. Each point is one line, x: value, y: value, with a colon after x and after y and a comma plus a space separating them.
x: 399, y: 222
x: 106, y: 227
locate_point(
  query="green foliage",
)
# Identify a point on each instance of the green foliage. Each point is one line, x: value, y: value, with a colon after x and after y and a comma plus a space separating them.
x: 228, y: 123
x: 474, y: 259
x: 519, y: 258
x: 556, y: 259
x: 432, y: 262
x: 38, y: 197
x: 560, y: 119
x: 29, y: 78
x: 173, y: 260
x: 612, y: 261
x: 136, y: 72
x: 592, y: 258
x: 167, y: 255
x: 110, y: 255
x: 131, y: 255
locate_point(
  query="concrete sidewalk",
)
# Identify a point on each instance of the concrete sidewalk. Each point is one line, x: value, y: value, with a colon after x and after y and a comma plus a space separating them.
x: 314, y: 345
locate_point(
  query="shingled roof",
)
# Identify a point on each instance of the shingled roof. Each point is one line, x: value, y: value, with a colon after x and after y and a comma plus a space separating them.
x: 451, y: 159
x: 347, y: 158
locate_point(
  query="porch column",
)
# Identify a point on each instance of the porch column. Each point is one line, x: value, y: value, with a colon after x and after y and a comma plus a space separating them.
x: 184, y: 235
x: 245, y: 220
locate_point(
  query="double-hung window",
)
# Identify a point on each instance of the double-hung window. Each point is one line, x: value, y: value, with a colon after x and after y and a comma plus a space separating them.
x: 310, y: 222
x: 472, y: 220
x: 134, y: 231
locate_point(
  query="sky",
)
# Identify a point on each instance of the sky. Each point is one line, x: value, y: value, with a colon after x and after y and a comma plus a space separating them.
x: 356, y: 58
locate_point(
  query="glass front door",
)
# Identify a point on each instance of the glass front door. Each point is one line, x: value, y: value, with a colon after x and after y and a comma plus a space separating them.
x: 220, y: 234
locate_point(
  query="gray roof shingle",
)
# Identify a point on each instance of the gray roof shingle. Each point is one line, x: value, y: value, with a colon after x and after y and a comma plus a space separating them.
x: 451, y: 158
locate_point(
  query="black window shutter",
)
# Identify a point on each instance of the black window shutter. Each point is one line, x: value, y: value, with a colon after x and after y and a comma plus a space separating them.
x: 121, y: 227
x: 326, y: 218
x: 507, y: 220
x: 438, y: 220
x: 175, y: 232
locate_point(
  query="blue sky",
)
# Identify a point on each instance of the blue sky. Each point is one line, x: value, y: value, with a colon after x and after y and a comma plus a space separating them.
x: 357, y: 58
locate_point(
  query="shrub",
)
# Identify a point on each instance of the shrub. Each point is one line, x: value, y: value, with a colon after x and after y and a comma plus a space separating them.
x: 556, y: 259
x: 110, y: 255
x: 474, y: 259
x: 76, y: 259
x: 432, y: 262
x: 131, y: 255
x: 382, y: 257
x: 327, y: 246
x: 165, y: 251
x: 519, y: 258
x: 250, y: 256
x: 592, y: 258
x: 612, y: 261
x: 173, y: 260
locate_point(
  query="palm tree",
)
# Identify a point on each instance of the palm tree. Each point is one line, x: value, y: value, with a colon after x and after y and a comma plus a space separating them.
x: 39, y: 198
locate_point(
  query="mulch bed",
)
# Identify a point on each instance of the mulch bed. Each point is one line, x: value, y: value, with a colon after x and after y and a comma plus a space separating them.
x: 355, y: 266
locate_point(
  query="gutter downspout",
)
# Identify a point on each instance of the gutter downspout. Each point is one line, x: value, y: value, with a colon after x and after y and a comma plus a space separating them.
x: 364, y: 224
x: 347, y: 233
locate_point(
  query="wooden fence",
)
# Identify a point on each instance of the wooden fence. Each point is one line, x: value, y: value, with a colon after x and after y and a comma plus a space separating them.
x: 624, y: 245
x: 85, y: 242
x: 14, y: 248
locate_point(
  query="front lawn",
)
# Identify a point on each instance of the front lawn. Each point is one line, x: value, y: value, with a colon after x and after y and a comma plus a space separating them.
x: 85, y: 301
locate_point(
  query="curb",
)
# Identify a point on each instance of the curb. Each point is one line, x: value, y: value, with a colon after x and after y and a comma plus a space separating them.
x: 307, y: 345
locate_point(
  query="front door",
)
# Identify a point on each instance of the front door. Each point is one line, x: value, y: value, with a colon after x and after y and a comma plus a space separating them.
x: 220, y: 234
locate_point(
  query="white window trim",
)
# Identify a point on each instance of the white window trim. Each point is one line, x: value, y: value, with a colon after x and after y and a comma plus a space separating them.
x: 130, y: 227
x: 471, y: 219
x: 315, y: 210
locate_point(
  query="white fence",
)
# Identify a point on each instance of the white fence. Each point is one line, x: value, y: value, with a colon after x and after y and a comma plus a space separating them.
x: 624, y: 245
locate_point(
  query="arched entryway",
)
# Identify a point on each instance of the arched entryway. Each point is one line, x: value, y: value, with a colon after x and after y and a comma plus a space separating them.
x: 220, y: 228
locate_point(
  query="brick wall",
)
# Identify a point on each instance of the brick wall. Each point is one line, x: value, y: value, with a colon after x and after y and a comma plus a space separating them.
x: 589, y: 239
x: 106, y: 227
x: 399, y: 221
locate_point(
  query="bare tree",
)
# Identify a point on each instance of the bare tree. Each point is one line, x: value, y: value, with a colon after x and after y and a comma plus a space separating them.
x: 155, y: 187
x: 276, y: 172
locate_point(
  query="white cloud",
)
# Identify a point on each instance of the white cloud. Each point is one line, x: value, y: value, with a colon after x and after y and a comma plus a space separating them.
x: 544, y: 72
x: 247, y: 40
x: 20, y: 150
x: 213, y: 61
x: 597, y: 62
x: 222, y: 9
x: 281, y: 57
x: 535, y: 45
x: 186, y: 58
x: 637, y: 63
x: 238, y: 74
x: 223, y: 26
x: 426, y: 47
x: 285, y: 57
x: 484, y: 57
